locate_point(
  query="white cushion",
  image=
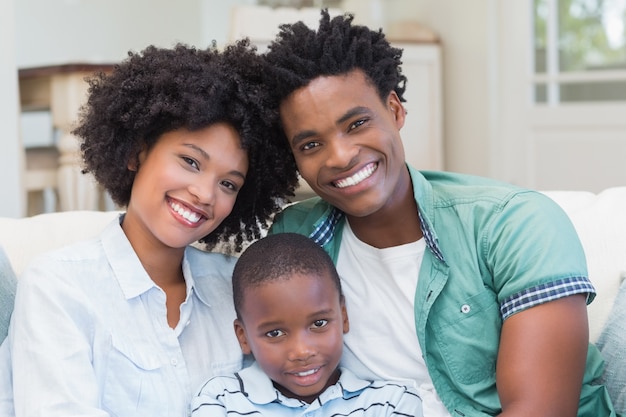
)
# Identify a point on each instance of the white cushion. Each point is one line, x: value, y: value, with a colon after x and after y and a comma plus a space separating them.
x: 29, y: 236
x: 600, y: 220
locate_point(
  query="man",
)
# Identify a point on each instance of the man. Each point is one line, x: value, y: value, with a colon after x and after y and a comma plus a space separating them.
x: 472, y: 289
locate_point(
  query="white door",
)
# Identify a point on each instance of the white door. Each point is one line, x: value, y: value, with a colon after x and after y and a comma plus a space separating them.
x: 561, y: 118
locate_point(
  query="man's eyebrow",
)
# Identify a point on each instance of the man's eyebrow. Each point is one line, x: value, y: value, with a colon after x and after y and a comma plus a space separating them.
x: 302, y: 136
x: 355, y: 111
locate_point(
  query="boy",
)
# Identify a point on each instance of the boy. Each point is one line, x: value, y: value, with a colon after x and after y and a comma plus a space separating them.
x: 474, y: 289
x: 291, y: 317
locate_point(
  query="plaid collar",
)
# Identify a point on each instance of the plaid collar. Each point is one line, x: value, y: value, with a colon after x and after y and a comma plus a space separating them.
x: 324, y: 231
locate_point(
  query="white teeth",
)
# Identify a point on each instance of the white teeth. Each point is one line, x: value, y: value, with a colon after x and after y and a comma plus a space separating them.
x: 187, y: 214
x: 358, y: 177
x: 307, y: 373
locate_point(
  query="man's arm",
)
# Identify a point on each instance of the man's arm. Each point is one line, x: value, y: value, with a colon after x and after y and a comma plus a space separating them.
x: 541, y: 359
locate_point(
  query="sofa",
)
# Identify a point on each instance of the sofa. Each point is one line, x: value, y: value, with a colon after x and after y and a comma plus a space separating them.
x: 600, y: 220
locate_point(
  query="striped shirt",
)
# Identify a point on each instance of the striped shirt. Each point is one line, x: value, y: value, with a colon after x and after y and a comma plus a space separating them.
x: 250, y: 393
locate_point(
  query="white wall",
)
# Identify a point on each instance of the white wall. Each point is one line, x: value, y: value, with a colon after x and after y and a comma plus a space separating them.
x: 57, y: 31
x: 13, y: 199
x: 60, y: 31
x: 465, y: 30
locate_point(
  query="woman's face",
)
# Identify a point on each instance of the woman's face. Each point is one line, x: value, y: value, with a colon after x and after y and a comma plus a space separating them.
x: 185, y: 186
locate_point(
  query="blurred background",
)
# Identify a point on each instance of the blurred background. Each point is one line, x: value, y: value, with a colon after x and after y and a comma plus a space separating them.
x: 528, y: 91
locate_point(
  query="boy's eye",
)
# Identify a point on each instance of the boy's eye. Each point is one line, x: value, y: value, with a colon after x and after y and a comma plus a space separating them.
x: 320, y: 323
x: 274, y: 333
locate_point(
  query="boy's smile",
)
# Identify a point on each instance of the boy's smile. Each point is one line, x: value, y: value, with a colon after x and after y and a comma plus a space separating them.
x: 294, y: 328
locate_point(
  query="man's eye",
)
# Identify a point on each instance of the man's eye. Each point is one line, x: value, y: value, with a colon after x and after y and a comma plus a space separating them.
x: 357, y: 124
x: 310, y: 145
x: 274, y: 333
x: 320, y: 323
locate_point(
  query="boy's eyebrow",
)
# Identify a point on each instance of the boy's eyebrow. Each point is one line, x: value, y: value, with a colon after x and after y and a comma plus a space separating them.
x: 355, y: 111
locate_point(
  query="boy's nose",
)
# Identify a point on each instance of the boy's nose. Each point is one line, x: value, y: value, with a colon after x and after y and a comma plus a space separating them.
x: 301, y: 349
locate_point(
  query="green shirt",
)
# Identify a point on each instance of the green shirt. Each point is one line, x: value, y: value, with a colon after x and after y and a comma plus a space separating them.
x: 493, y: 250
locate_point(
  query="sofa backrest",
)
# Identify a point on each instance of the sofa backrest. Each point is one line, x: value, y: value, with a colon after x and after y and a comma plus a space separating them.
x: 24, y: 238
x: 600, y: 220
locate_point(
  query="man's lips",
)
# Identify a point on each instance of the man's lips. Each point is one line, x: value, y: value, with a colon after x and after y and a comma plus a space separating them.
x: 358, y: 177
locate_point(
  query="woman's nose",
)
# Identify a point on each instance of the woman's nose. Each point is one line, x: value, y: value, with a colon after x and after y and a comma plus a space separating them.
x: 204, y: 192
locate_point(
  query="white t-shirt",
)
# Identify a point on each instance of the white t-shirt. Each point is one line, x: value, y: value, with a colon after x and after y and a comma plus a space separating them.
x: 379, y: 286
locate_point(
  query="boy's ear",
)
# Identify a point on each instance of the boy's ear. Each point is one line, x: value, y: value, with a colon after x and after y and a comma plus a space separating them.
x: 344, y: 315
x: 240, y: 332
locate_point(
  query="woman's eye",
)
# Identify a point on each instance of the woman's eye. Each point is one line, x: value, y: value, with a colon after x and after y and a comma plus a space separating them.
x: 320, y: 323
x: 190, y: 161
x: 230, y: 185
x: 274, y: 333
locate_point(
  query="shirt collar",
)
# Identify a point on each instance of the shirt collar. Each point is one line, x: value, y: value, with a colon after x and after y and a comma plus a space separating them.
x: 129, y: 272
x: 259, y: 389
x: 325, y: 228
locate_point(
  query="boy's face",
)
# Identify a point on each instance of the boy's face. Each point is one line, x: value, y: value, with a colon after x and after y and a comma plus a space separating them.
x: 185, y: 186
x: 294, y: 327
x: 346, y: 142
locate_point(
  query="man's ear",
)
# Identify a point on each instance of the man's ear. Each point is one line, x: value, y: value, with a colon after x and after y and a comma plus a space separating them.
x: 396, y: 108
x: 240, y: 332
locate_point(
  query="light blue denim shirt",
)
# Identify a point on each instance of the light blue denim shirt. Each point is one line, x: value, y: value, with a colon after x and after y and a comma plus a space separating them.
x: 7, y: 293
x: 89, y: 334
x: 250, y: 392
x: 493, y: 250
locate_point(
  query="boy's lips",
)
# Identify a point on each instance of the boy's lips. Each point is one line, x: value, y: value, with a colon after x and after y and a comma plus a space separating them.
x: 357, y: 177
x: 306, y: 377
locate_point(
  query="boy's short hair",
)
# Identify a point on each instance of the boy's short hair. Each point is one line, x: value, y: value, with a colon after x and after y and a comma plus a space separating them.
x: 278, y: 257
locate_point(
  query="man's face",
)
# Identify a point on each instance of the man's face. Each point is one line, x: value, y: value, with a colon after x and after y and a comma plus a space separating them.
x: 346, y: 142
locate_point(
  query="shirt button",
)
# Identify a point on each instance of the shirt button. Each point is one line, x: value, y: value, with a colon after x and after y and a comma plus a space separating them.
x: 465, y: 308
x: 174, y: 361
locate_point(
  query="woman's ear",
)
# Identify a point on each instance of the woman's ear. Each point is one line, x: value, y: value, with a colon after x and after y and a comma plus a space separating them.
x: 137, y: 159
x: 240, y: 332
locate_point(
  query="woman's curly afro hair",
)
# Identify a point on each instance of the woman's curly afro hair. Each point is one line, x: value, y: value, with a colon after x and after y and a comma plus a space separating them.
x: 300, y: 54
x: 160, y: 90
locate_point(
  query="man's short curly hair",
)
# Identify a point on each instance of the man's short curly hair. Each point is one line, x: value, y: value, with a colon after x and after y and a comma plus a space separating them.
x: 300, y: 54
x: 160, y: 90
